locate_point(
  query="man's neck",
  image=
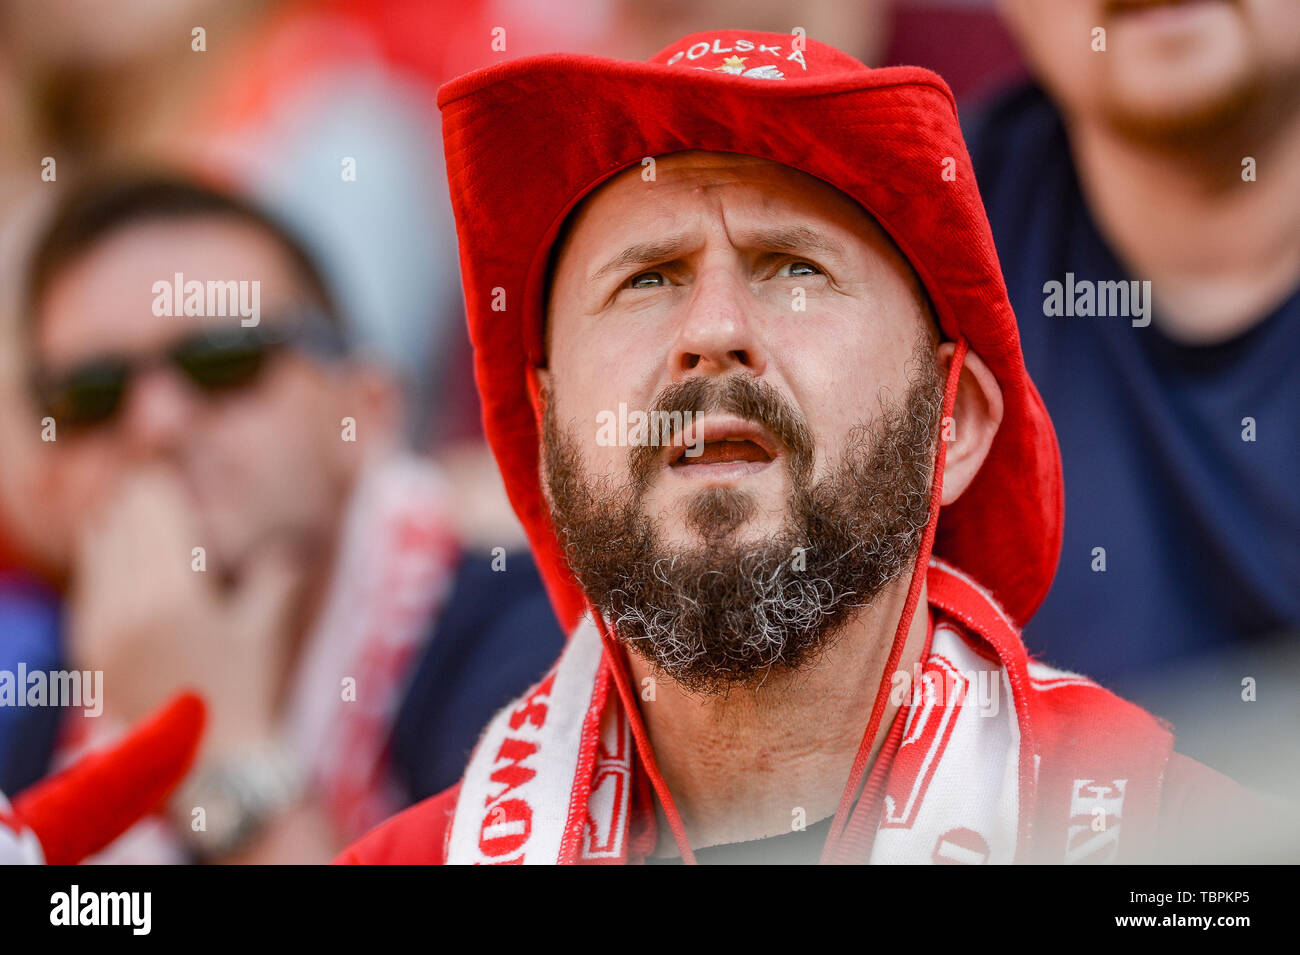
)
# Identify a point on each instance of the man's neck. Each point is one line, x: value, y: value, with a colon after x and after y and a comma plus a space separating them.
x: 1220, y: 252
x: 752, y: 763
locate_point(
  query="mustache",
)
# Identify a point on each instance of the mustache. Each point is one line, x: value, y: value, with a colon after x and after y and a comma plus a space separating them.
x: 739, y: 394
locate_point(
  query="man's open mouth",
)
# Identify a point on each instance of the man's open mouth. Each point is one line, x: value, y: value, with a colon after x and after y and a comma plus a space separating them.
x: 722, y: 446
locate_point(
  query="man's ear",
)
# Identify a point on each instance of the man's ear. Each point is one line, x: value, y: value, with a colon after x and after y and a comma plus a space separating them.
x: 539, y: 387
x: 976, y: 415
x: 539, y: 391
x: 369, y: 395
x: 379, y: 392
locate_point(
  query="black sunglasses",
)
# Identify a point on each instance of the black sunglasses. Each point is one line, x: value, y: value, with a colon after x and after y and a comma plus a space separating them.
x: 215, y: 360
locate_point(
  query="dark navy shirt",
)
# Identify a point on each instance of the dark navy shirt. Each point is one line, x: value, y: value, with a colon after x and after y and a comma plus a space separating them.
x: 29, y: 637
x: 800, y: 847
x: 1201, y: 529
x: 496, y: 637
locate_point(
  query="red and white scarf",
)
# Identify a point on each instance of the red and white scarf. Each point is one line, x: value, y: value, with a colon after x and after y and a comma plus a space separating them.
x: 1058, y: 771
x: 396, y: 566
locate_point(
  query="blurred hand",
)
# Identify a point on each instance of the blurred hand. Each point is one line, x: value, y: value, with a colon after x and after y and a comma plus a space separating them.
x: 153, y: 625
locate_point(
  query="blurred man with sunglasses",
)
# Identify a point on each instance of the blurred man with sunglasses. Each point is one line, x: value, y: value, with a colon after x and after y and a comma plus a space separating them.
x: 232, y: 514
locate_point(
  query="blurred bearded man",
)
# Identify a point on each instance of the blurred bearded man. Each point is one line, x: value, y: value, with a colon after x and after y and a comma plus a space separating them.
x: 794, y: 622
x: 1168, y: 163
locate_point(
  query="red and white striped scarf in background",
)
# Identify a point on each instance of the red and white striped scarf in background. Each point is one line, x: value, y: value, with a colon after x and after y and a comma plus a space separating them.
x: 396, y: 568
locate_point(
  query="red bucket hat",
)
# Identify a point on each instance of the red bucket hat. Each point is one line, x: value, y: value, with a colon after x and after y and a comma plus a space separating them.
x: 528, y: 139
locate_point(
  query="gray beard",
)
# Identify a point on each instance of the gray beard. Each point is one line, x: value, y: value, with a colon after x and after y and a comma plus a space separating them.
x: 725, y: 615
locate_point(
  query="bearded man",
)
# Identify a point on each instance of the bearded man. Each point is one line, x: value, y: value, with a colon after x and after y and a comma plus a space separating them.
x: 802, y: 642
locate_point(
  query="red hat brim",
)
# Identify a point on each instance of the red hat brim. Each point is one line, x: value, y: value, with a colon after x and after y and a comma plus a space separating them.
x: 526, y: 140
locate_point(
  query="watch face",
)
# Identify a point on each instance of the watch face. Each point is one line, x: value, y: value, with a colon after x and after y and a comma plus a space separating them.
x: 223, y: 815
x: 236, y: 799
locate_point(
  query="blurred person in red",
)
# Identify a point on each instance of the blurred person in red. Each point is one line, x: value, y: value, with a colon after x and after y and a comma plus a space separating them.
x: 228, y: 505
x: 1143, y: 197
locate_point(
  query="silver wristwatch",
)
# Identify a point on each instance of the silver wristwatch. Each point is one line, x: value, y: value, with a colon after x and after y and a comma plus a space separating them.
x: 224, y: 804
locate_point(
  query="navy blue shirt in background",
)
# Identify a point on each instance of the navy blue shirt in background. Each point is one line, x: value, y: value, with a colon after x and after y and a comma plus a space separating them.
x: 30, y: 622
x: 496, y: 637
x: 1201, y: 528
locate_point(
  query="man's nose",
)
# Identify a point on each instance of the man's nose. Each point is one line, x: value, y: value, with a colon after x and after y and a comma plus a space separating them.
x: 157, y: 411
x: 717, y: 335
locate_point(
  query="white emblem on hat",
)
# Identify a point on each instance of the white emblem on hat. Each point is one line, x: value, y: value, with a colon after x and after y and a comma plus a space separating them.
x: 735, y: 65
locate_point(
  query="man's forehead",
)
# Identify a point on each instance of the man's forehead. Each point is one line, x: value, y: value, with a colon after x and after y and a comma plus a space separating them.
x: 103, y: 298
x: 663, y: 188
x: 799, y: 205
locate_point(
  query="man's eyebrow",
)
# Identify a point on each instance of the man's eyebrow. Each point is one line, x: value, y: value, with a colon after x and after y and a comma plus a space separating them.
x: 791, y: 241
x: 643, y: 253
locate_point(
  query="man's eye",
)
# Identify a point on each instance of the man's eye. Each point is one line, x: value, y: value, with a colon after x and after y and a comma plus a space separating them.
x: 796, y: 269
x: 647, y: 280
